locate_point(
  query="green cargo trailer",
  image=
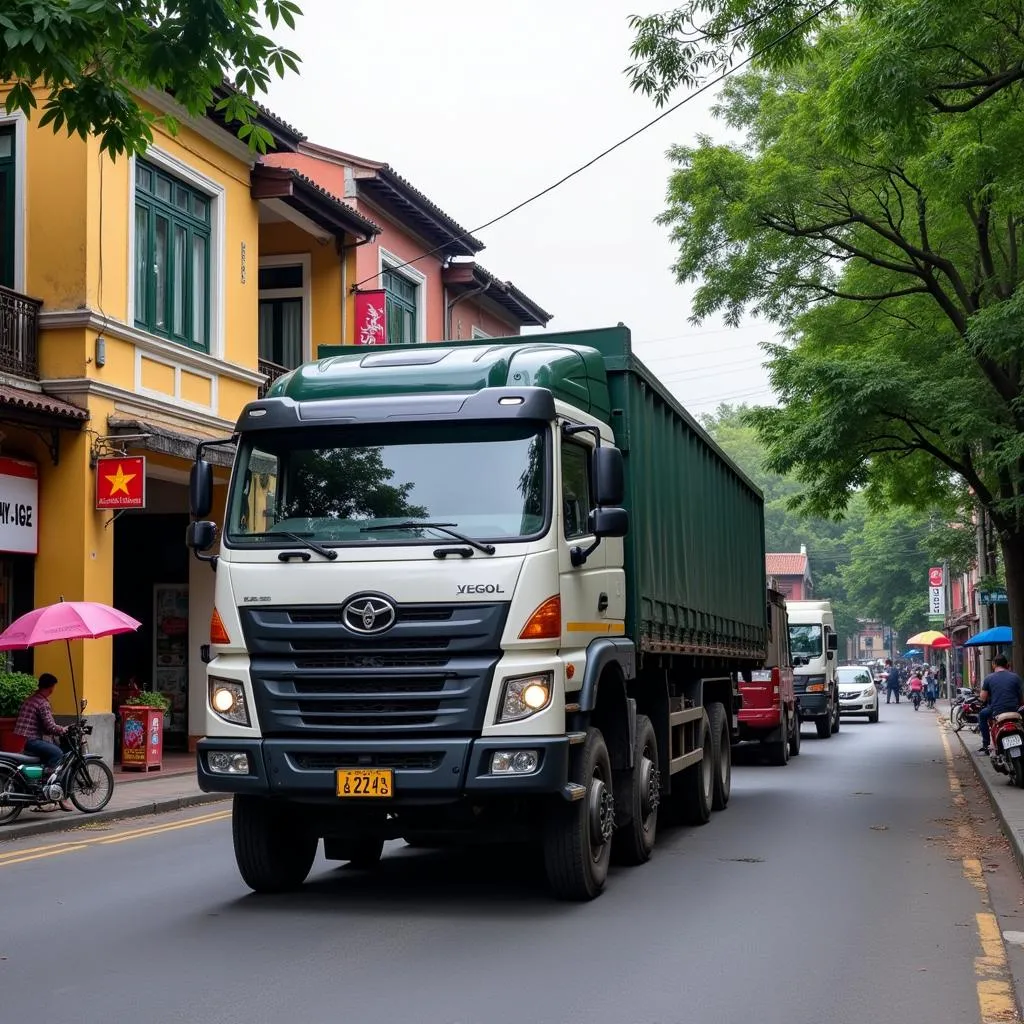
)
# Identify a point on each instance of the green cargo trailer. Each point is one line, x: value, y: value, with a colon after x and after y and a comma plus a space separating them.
x: 503, y: 588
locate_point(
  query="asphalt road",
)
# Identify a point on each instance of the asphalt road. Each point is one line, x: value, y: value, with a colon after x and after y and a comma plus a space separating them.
x: 832, y: 890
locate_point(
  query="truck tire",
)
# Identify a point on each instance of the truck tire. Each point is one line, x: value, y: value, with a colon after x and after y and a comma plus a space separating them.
x: 577, y: 835
x: 824, y: 727
x: 835, y: 713
x: 693, y: 788
x: 271, y: 853
x: 794, y: 740
x: 634, y: 842
x: 362, y: 852
x: 779, y: 749
x: 722, y: 756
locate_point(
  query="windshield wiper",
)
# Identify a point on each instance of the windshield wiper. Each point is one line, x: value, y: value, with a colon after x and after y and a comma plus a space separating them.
x: 329, y: 553
x: 487, y: 549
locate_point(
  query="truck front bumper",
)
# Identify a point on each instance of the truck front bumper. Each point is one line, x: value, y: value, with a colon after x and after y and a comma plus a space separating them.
x: 424, y: 769
x: 812, y: 705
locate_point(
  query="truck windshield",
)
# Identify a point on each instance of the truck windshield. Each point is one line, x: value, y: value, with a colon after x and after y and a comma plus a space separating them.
x: 805, y: 641
x: 333, y: 485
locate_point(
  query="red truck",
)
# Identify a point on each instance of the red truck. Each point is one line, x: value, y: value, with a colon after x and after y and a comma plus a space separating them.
x: 770, y: 713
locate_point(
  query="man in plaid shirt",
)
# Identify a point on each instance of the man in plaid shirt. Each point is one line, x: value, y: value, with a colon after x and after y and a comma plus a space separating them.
x: 35, y: 722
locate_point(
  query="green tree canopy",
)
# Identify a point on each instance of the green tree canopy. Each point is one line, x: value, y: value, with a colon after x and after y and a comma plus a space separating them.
x: 93, y: 58
x: 889, y: 255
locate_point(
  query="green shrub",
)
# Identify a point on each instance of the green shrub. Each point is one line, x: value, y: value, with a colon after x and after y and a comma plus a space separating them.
x: 15, y: 687
x: 148, y: 699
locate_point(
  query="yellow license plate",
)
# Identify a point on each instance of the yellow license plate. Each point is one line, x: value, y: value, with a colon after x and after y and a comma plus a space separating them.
x: 369, y: 782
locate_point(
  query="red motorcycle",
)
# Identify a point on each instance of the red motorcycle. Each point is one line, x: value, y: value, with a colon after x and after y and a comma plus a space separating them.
x: 1008, y: 746
x: 965, y: 711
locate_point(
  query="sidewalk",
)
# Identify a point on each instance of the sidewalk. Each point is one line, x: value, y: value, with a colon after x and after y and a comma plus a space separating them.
x: 1007, y: 801
x: 134, y: 796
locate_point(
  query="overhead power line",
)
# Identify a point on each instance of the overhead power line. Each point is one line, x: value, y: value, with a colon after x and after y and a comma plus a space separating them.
x: 814, y: 15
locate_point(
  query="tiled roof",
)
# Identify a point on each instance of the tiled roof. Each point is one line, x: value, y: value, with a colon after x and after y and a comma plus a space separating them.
x: 392, y: 186
x: 283, y: 172
x: 785, y: 564
x: 37, y: 402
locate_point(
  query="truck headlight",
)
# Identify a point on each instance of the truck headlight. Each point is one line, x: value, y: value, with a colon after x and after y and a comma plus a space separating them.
x: 523, y: 696
x: 227, y: 700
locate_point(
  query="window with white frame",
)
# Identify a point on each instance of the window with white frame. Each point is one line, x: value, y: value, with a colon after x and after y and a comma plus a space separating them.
x: 405, y: 300
x: 283, y: 313
x: 173, y: 222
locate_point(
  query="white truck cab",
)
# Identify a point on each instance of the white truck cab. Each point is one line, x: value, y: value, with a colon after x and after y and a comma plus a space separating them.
x: 813, y: 642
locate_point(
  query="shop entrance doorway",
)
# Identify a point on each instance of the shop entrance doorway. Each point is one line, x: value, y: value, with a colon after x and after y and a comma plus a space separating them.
x: 151, y: 576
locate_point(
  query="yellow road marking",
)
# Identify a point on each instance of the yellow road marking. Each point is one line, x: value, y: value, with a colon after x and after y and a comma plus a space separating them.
x: 73, y: 846
x: 997, y: 1003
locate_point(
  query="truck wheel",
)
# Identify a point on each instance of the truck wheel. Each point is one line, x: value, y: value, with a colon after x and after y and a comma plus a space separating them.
x: 634, y: 842
x: 361, y: 852
x: 577, y: 835
x: 693, y: 788
x: 794, y: 740
x: 780, y: 748
x: 271, y: 853
x: 824, y: 727
x: 719, y: 725
x: 835, y: 715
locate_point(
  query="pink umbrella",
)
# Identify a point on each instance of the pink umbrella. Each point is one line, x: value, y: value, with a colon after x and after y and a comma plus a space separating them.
x: 67, y: 621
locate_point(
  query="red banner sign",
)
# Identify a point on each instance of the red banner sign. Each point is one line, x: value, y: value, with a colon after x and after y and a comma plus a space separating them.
x: 371, y: 318
x: 935, y: 576
x: 121, y: 483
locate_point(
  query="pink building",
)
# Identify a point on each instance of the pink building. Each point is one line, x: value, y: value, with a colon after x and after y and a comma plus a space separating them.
x: 422, y: 259
x: 792, y: 573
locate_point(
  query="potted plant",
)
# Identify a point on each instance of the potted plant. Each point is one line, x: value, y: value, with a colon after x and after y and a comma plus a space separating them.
x: 142, y: 724
x: 15, y: 688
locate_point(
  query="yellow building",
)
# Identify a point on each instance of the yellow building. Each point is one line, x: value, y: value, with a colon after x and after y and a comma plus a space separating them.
x: 130, y: 312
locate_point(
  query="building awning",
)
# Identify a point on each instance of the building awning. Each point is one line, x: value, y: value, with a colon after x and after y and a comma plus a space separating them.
x: 463, y: 278
x: 40, y: 409
x: 307, y: 198
x: 141, y: 434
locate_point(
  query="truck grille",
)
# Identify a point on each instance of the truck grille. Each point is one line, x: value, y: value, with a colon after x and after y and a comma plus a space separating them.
x: 429, y: 674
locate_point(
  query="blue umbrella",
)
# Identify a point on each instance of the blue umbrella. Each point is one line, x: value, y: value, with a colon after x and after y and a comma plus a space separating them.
x: 990, y: 637
x: 913, y: 652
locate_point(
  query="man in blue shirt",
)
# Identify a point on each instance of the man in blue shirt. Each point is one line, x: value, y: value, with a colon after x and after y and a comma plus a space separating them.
x: 1001, y: 691
x: 892, y: 681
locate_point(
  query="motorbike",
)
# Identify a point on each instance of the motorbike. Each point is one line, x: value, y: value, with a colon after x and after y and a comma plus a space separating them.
x: 83, y: 778
x: 915, y: 696
x: 1008, y: 746
x: 965, y: 711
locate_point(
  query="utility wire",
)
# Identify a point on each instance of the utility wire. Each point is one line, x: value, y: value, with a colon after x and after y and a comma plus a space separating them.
x: 622, y: 142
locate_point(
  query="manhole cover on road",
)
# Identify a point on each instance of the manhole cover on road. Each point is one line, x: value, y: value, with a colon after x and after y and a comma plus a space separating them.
x: 743, y: 860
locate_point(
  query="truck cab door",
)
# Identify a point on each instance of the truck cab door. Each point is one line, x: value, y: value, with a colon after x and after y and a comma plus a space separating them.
x: 594, y: 594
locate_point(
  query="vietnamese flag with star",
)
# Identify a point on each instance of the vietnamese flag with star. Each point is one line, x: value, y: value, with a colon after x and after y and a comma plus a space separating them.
x: 121, y: 483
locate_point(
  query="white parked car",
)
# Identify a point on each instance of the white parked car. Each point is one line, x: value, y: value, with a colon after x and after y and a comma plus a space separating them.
x: 858, y: 694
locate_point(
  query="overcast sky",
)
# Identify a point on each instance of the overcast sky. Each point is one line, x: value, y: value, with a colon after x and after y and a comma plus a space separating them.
x: 480, y: 106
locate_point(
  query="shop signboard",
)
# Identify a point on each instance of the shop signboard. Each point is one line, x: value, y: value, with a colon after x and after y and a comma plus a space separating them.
x: 121, y: 483
x: 997, y: 596
x: 19, y: 507
x: 142, y: 737
x: 936, y: 593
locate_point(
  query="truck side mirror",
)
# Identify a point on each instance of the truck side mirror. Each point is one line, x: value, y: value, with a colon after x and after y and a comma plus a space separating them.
x: 200, y: 489
x: 606, y: 472
x: 833, y: 641
x: 200, y: 536
x: 609, y: 522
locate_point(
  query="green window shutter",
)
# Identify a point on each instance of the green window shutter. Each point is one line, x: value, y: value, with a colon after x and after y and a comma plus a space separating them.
x: 172, y: 258
x: 7, y: 206
x: 401, y: 296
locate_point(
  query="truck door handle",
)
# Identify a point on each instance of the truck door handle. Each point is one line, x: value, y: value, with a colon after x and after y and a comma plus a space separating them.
x: 602, y: 603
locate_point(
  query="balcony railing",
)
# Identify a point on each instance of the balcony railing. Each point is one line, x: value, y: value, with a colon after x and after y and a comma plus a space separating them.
x: 272, y: 372
x: 19, y: 334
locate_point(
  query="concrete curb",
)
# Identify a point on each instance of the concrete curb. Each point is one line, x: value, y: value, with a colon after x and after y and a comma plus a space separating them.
x: 68, y: 823
x: 1014, y: 838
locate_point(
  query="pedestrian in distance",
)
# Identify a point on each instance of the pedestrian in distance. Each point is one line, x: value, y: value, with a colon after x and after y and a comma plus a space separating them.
x: 1001, y: 691
x: 892, y: 681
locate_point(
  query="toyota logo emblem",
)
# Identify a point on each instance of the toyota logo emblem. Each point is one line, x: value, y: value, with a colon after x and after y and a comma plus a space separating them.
x: 368, y: 613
